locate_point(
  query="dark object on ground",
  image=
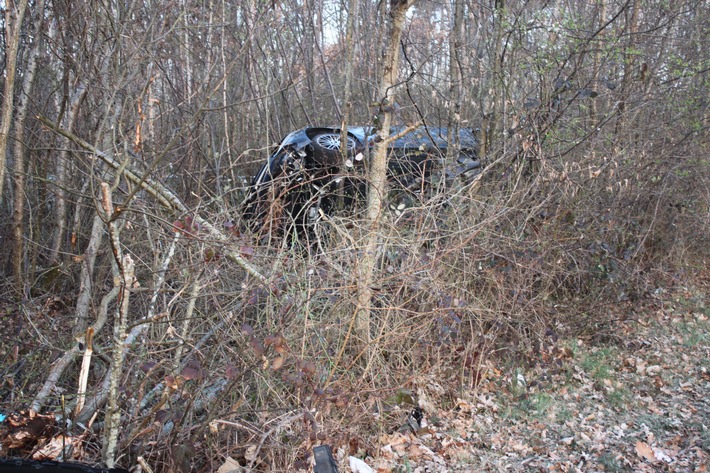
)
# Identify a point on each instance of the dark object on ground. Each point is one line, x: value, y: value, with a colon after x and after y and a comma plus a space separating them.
x: 307, y: 173
x: 324, y: 460
x: 415, y: 419
x: 9, y: 465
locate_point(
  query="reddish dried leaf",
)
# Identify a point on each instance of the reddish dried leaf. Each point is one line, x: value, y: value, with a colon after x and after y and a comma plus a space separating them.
x: 27, y: 429
x: 172, y: 382
x: 247, y: 329
x: 56, y: 446
x: 280, y: 344
x: 193, y: 370
x: 257, y: 346
x: 309, y: 368
x: 178, y: 226
x: 163, y: 416
x: 271, y: 340
x: 147, y: 366
x: 282, y: 349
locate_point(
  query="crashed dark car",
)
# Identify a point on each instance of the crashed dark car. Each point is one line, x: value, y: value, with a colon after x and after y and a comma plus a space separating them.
x: 307, y: 176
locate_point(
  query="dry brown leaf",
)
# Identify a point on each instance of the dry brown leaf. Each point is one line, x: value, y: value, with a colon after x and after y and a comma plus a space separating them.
x: 277, y: 363
x: 229, y: 465
x: 61, y: 446
x: 251, y: 453
x: 644, y: 451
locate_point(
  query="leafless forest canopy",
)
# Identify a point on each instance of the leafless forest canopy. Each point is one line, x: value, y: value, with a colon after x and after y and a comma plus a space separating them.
x: 130, y: 131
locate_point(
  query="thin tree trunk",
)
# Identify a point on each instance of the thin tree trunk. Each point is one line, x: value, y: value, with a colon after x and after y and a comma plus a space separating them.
x: 629, y: 64
x: 60, y: 216
x: 601, y: 19
x: 19, y: 152
x: 353, y: 6
x: 227, y: 139
x: 491, y: 98
x: 455, y: 88
x: 127, y: 277
x: 378, y: 169
x: 14, y: 14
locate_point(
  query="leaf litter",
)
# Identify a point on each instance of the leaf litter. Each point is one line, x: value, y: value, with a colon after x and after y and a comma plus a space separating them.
x: 639, y: 404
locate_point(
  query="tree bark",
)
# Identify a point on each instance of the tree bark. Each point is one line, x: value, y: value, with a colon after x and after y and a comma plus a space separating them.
x: 455, y: 92
x: 127, y: 278
x: 378, y: 169
x: 491, y: 92
x: 60, y: 217
x: 347, y: 93
x: 620, y: 130
x: 14, y: 14
x: 19, y: 152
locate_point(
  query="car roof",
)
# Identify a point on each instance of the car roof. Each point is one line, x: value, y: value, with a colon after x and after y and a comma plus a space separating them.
x: 420, y: 137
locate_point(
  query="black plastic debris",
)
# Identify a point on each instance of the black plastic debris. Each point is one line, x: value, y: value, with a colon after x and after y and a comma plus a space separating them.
x: 11, y: 465
x: 325, y: 463
x: 415, y: 419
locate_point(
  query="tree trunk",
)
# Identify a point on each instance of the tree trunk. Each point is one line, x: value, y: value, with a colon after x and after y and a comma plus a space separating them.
x: 492, y: 92
x: 18, y: 214
x: 347, y: 93
x: 627, y: 81
x: 601, y: 19
x: 59, y: 193
x: 14, y: 14
x: 378, y: 169
x: 126, y: 268
x: 455, y: 92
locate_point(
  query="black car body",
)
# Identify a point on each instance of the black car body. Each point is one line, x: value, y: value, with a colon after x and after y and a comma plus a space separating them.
x: 307, y: 174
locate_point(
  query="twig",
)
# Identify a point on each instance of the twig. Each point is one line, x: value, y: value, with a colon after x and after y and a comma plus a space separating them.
x: 196, y: 287
x: 389, y: 139
x: 267, y: 434
x: 141, y: 461
x: 161, y: 276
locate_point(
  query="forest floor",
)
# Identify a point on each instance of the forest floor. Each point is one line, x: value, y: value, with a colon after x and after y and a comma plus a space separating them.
x: 638, y: 402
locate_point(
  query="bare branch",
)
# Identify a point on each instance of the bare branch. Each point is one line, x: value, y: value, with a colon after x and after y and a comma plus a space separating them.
x: 164, y: 195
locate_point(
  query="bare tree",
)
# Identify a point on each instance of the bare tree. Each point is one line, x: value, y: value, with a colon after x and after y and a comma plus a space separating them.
x: 14, y: 16
x: 19, y: 151
x: 378, y: 166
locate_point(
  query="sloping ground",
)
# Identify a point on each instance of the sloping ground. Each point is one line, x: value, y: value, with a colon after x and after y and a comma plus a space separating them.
x: 636, y: 400
x: 640, y: 402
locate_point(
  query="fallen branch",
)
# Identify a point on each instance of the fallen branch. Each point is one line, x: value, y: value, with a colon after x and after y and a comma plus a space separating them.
x: 84, y: 373
x: 62, y: 363
x: 161, y: 193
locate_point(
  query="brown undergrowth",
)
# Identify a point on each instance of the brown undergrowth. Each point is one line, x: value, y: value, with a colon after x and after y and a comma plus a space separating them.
x: 517, y: 314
